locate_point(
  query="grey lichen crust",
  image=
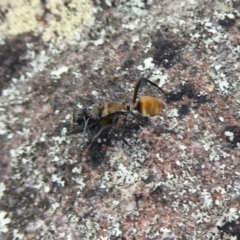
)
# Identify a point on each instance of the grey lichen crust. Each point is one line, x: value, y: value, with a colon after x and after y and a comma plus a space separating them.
x: 178, y: 180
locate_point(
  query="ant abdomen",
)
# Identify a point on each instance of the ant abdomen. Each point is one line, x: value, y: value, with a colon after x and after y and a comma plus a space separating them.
x: 149, y: 106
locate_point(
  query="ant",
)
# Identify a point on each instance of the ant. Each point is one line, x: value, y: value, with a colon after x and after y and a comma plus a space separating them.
x: 107, y: 114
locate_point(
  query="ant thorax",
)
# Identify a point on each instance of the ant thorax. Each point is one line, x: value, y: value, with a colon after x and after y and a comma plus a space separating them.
x: 131, y: 107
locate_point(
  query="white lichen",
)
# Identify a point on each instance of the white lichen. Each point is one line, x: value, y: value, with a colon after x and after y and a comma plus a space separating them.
x: 4, y: 221
x: 2, y: 189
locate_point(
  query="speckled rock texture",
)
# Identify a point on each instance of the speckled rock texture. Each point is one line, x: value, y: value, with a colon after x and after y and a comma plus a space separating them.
x: 179, y: 177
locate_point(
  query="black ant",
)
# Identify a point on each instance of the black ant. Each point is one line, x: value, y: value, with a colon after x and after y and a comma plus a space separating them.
x: 107, y: 114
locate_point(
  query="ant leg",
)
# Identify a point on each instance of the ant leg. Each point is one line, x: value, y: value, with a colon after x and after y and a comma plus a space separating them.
x: 77, y: 129
x: 120, y: 135
x: 123, y: 127
x: 83, y: 128
x: 155, y: 85
x: 101, y: 130
x: 86, y: 127
x: 139, y: 84
x: 141, y: 121
x: 92, y: 125
x: 125, y: 141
